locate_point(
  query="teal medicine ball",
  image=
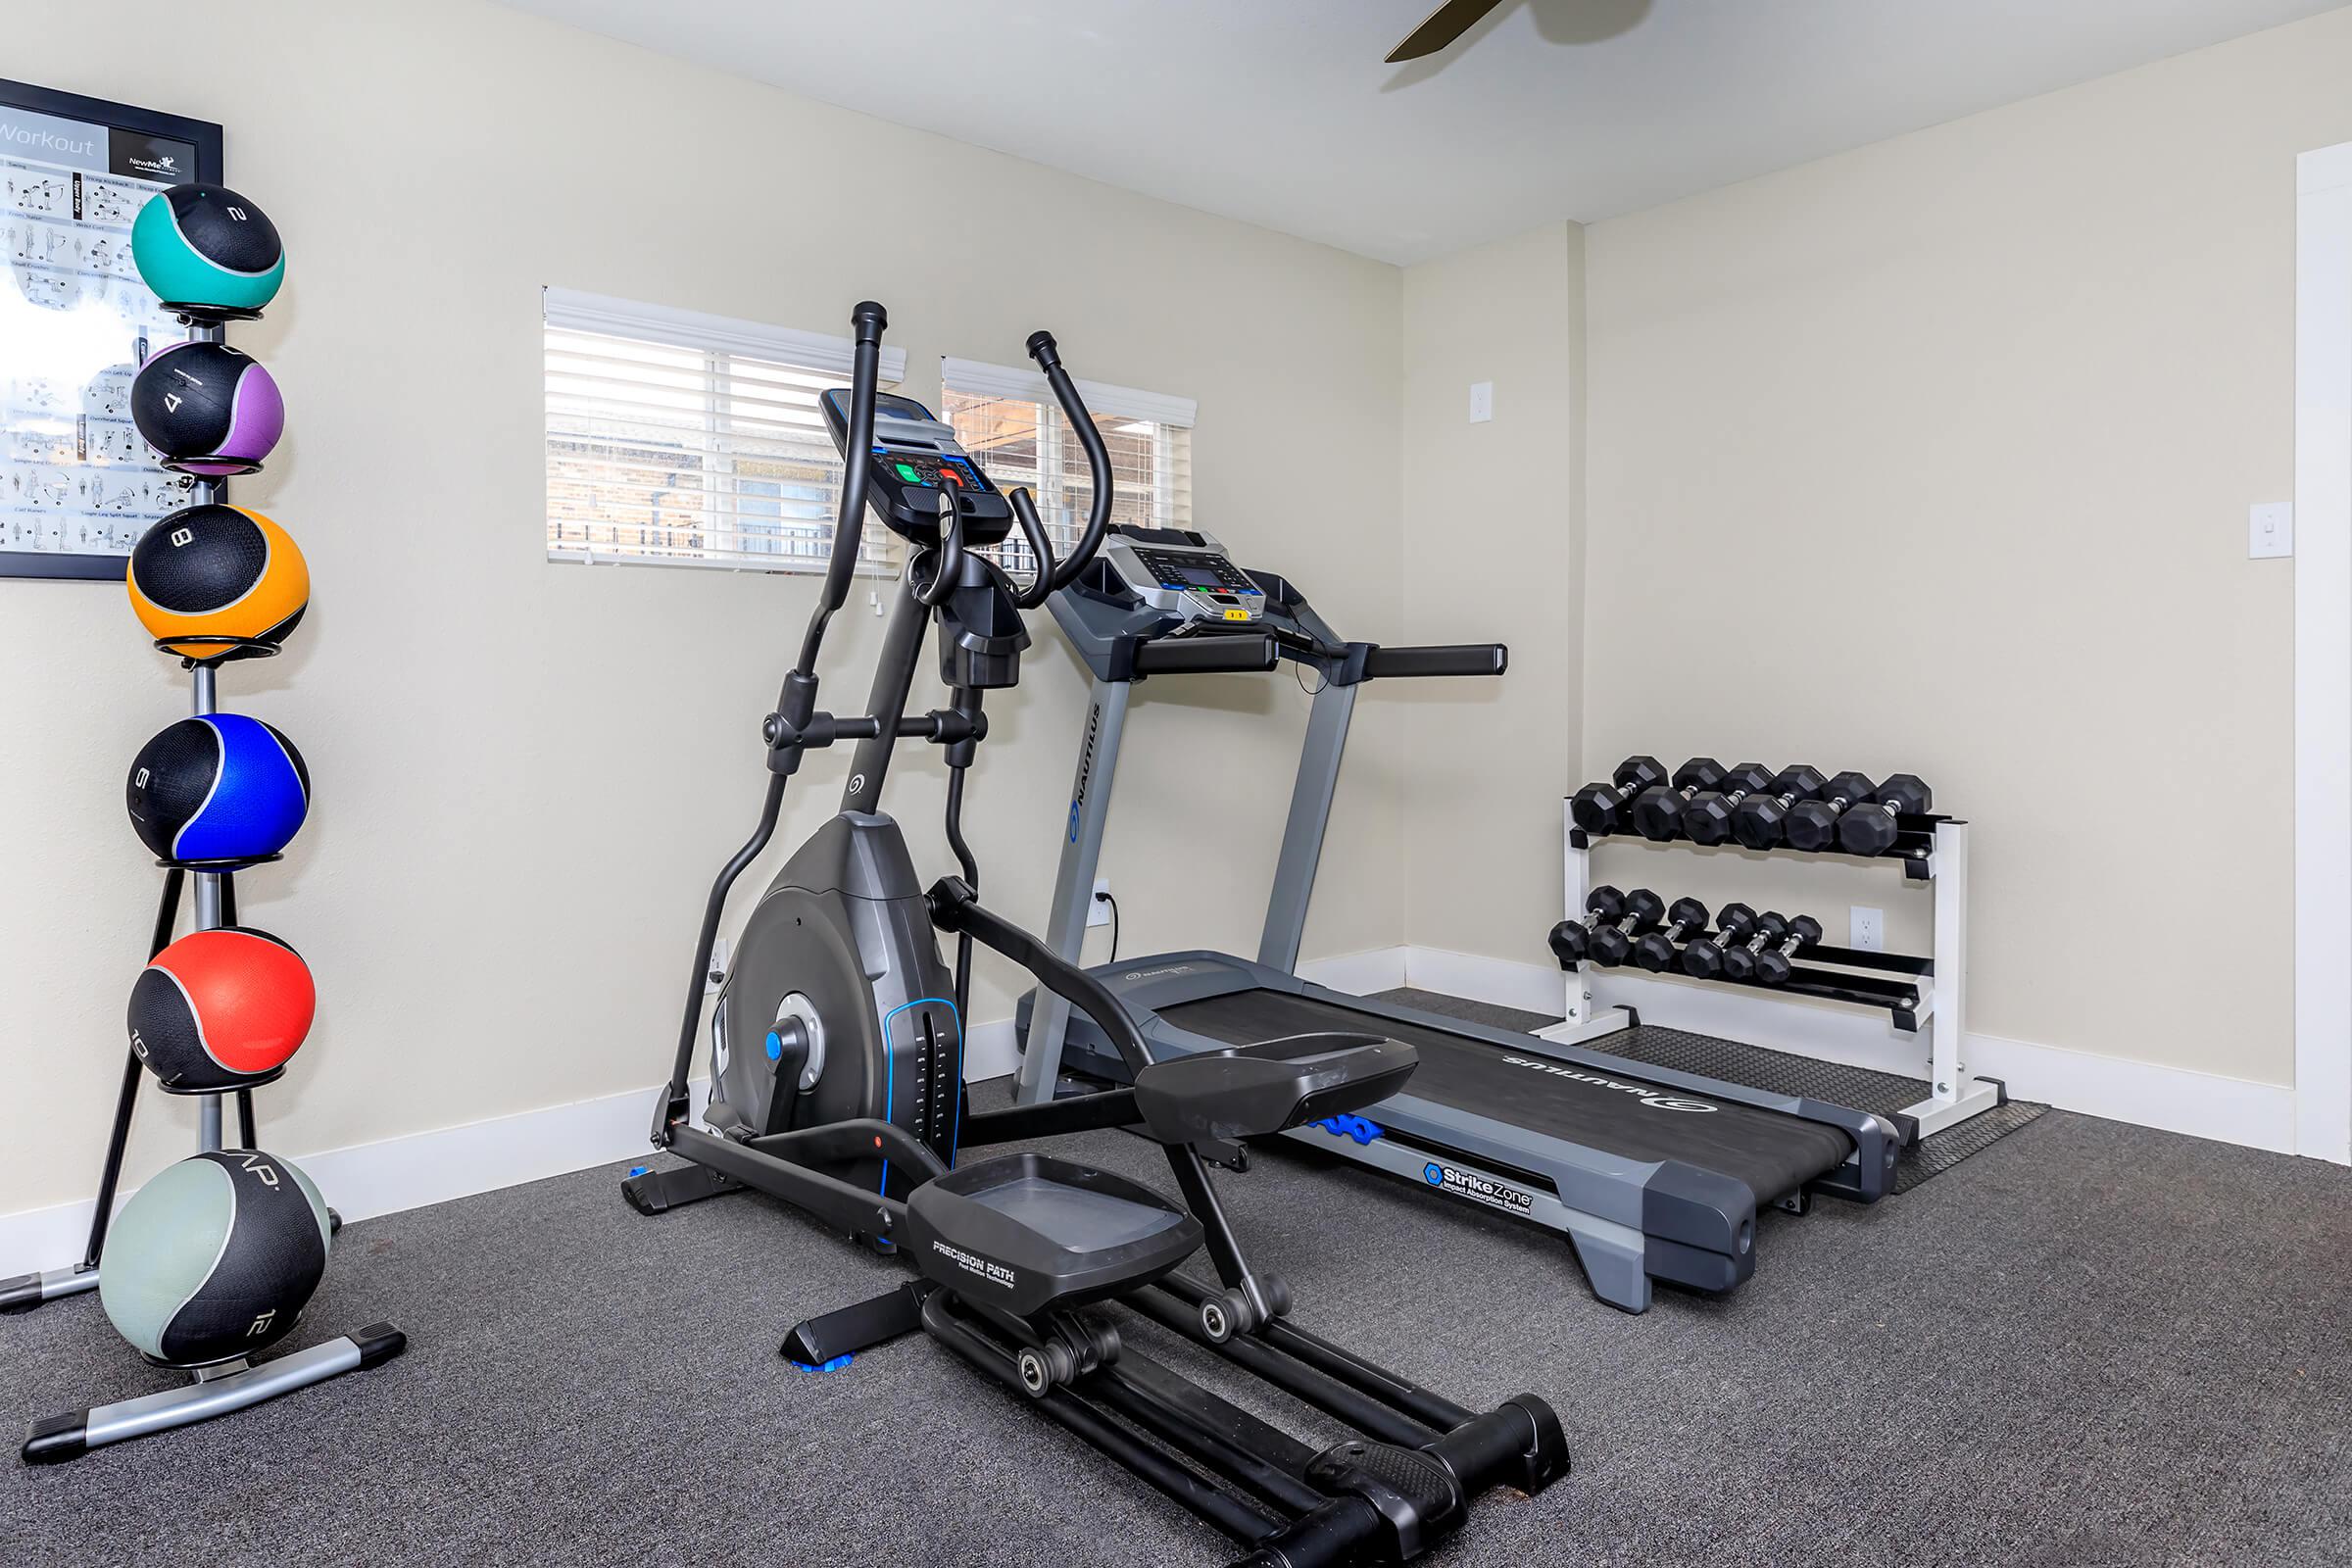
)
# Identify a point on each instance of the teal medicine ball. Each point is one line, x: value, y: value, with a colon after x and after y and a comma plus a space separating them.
x: 205, y: 245
x: 215, y: 1258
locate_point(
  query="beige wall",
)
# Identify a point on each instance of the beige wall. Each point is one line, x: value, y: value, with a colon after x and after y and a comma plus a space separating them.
x: 1493, y: 551
x: 1937, y: 456
x: 1932, y: 456
x: 527, y: 773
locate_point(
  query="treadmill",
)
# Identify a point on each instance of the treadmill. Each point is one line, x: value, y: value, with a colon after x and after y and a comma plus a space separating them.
x: 1651, y: 1173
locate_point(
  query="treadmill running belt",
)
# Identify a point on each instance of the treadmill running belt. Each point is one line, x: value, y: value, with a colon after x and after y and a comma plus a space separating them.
x: 1774, y: 1153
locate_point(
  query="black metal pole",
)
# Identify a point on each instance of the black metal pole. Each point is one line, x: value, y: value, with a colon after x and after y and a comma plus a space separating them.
x: 1360, y: 1410
x: 674, y: 1100
x: 1194, y: 1434
x: 972, y: 876
x: 126, y: 1100
x: 1187, y: 1486
x: 886, y: 700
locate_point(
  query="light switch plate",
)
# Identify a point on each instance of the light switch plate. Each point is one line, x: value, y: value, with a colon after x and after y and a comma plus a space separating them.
x: 2270, y: 531
x: 1481, y: 402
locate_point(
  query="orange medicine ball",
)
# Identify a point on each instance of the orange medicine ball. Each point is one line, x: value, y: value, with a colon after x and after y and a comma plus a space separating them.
x: 218, y: 571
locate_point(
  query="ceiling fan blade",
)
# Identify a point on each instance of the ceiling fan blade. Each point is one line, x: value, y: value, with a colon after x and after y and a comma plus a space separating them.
x: 1441, y: 28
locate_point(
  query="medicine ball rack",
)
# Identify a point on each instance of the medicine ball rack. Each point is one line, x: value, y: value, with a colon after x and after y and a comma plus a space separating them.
x: 215, y: 907
x: 219, y: 1388
x: 1925, y: 999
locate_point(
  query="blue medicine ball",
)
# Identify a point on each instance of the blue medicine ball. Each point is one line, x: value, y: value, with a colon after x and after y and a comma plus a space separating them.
x: 221, y: 787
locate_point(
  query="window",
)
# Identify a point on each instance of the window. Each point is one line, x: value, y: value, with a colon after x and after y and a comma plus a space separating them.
x: 1009, y: 420
x: 677, y: 438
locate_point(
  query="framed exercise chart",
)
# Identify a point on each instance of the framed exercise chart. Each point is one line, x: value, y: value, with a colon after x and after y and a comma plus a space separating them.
x: 78, y: 486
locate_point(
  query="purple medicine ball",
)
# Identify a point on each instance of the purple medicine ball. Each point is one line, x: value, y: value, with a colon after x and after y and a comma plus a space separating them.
x: 208, y: 408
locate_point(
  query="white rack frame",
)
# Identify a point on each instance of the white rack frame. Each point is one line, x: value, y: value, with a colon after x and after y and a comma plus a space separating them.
x: 1954, y: 1094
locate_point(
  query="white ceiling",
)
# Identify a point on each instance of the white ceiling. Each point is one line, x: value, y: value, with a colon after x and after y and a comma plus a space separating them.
x: 1281, y: 112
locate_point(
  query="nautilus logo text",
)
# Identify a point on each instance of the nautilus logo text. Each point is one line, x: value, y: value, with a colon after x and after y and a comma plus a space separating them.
x: 1648, y: 1094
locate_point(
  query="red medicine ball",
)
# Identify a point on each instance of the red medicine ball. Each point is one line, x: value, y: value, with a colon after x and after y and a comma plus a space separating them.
x: 217, y: 1009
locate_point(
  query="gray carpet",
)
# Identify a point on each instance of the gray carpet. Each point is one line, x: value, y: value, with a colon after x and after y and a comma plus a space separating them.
x: 2089, y: 1345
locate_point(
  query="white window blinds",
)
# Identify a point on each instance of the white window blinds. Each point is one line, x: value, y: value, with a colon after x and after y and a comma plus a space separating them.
x: 1008, y: 420
x: 679, y: 438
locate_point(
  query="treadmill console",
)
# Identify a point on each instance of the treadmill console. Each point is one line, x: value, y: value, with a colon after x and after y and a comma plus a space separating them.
x: 916, y: 453
x: 1182, y: 573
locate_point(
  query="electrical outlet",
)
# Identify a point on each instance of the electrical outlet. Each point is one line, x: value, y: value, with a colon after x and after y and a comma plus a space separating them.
x: 718, y: 968
x: 1481, y: 402
x: 1097, y: 912
x: 1866, y: 929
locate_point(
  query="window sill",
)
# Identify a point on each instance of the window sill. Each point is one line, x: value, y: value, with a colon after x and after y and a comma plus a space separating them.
x: 802, y: 566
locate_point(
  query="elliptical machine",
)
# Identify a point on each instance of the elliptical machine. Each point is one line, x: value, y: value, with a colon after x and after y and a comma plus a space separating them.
x: 837, y: 1058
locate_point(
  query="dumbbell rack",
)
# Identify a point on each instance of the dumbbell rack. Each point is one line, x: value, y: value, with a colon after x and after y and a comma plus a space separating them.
x: 1920, y: 995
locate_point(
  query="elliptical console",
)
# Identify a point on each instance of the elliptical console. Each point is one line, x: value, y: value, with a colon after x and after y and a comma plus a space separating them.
x: 912, y: 458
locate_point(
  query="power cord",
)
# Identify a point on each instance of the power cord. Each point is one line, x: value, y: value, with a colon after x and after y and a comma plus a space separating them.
x: 1105, y: 898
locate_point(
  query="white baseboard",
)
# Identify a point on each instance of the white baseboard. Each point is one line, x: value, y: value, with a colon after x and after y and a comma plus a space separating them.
x: 2180, y: 1100
x: 991, y: 1050
x: 1358, y: 973
x: 2176, y: 1099
x: 1497, y: 982
x: 398, y: 1173
x: 408, y: 1172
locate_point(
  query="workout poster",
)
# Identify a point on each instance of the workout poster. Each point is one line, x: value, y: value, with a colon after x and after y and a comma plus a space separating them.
x: 78, y: 486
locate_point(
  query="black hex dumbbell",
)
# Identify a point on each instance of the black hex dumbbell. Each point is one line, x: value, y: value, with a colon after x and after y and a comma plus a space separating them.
x: 1772, y: 965
x: 1606, y: 807
x: 1613, y: 941
x: 1707, y: 819
x: 1658, y: 811
x: 1739, y: 961
x: 1812, y: 825
x: 1704, y: 958
x: 1872, y: 829
x: 1761, y: 818
x: 1572, y: 940
x: 1656, y: 952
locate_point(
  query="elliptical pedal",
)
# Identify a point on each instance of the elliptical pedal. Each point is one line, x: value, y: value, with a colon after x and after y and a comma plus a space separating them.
x: 657, y: 1192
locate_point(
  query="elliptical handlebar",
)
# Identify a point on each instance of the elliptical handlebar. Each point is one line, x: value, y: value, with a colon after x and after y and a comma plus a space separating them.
x: 1047, y: 355
x: 867, y: 320
x: 1041, y: 586
x: 947, y: 570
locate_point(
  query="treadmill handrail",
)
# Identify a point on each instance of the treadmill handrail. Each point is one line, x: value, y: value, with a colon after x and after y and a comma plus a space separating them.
x: 1224, y: 652
x: 1424, y: 660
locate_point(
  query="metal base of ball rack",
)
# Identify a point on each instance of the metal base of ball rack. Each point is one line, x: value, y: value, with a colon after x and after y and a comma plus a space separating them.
x: 1920, y: 995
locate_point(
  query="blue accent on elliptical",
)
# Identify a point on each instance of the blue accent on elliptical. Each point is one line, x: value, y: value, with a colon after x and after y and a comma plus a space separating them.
x: 834, y: 1365
x: 1346, y: 1126
x: 890, y: 1086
